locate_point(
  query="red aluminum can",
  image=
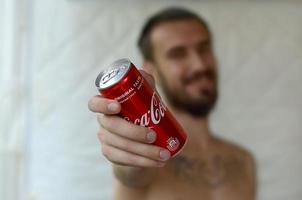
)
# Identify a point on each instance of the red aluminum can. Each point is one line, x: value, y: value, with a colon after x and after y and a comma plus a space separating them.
x: 140, y: 104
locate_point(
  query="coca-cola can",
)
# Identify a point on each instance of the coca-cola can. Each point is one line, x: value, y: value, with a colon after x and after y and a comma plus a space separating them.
x: 140, y: 104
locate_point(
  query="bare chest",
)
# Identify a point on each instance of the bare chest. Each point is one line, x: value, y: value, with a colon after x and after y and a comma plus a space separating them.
x: 215, y: 177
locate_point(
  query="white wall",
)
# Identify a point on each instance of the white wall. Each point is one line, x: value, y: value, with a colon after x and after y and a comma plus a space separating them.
x: 259, y: 49
x: 13, y: 98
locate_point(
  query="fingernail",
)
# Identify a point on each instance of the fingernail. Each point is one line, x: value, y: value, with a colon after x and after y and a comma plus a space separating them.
x: 113, y: 107
x: 164, y: 154
x: 151, y: 137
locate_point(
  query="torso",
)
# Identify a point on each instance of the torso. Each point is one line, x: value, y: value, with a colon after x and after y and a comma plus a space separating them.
x: 220, y: 173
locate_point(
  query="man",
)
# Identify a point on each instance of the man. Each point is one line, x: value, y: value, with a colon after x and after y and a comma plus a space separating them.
x: 177, y: 49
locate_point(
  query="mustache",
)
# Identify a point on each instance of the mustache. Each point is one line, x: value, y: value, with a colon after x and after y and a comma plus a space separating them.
x: 208, y: 74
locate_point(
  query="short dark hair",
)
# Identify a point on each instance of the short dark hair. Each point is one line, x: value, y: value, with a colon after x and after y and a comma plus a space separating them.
x: 166, y: 15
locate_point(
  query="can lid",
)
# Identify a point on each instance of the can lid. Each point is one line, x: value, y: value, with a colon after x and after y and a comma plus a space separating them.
x: 113, y: 74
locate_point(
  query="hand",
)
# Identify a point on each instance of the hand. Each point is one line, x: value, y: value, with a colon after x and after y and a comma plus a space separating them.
x: 125, y: 143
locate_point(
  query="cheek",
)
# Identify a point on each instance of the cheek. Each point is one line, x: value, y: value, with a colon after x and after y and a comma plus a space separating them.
x: 172, y: 73
x: 210, y: 60
x: 175, y: 76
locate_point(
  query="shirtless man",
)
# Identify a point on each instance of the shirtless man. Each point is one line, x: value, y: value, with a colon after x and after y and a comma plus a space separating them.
x: 177, y: 49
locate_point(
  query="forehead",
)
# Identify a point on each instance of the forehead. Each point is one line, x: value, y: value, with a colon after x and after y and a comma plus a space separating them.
x: 178, y: 33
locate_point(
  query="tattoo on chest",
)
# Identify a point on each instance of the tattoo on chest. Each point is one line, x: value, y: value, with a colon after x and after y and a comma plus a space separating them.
x: 212, y: 172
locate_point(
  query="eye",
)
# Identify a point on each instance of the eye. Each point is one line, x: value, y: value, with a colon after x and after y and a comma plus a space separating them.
x: 177, y: 53
x: 204, y: 48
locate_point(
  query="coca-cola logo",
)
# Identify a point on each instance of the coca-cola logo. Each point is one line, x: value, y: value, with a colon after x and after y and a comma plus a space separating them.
x: 154, y: 114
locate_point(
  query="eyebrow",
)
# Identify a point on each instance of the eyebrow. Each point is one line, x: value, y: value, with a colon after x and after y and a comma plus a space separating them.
x: 181, y: 47
x: 204, y: 42
x: 176, y: 48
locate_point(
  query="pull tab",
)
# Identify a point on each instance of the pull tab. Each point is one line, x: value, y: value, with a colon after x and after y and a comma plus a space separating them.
x: 110, y: 75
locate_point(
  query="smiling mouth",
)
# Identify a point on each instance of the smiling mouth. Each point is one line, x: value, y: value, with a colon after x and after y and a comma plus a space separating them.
x: 199, y: 77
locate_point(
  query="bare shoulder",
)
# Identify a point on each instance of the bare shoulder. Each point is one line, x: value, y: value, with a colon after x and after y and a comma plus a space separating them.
x: 246, y: 160
x: 237, y: 151
x: 234, y: 148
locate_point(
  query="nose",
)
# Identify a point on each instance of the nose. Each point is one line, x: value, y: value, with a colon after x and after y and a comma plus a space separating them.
x: 196, y: 62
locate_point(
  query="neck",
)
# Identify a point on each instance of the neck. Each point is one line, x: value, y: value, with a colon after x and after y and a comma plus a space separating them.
x: 196, y: 128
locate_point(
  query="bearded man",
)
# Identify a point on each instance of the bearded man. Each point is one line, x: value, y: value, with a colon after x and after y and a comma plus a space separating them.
x: 176, y: 45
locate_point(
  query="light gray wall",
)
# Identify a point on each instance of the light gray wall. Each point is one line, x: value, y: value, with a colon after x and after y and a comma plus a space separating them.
x: 13, y: 96
x: 259, y: 50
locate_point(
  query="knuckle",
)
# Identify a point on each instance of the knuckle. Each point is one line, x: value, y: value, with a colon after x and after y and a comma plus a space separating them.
x: 113, y: 122
x: 100, y: 119
x: 101, y: 136
x: 90, y: 103
x: 103, y: 120
x: 124, y: 144
x: 106, y: 151
x: 133, y: 160
x: 93, y: 104
x: 119, y: 163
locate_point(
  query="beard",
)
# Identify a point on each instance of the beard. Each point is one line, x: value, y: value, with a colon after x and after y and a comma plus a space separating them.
x: 200, y: 106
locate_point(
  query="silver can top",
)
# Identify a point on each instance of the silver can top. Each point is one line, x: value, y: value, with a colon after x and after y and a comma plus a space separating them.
x: 113, y: 74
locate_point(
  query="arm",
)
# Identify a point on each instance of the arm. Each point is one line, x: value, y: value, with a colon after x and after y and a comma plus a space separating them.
x: 126, y: 145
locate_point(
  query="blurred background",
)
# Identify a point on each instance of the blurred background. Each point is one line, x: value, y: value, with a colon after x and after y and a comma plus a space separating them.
x: 52, y: 50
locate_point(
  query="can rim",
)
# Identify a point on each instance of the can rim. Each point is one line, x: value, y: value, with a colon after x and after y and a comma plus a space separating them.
x: 124, y: 61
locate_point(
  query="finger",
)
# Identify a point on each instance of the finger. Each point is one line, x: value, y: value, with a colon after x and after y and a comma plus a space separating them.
x: 146, y: 150
x: 120, y: 126
x: 103, y: 105
x: 118, y: 156
x: 149, y: 78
